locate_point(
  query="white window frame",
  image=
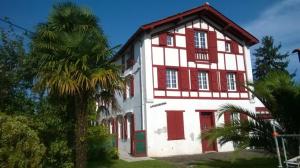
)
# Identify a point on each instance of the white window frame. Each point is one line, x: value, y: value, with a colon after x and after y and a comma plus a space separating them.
x: 203, y: 80
x: 170, y: 40
x: 171, y: 79
x: 200, y: 39
x: 231, y: 82
x: 227, y: 47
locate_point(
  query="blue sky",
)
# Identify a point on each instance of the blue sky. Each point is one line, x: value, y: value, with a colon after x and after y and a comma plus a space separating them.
x: 121, y: 18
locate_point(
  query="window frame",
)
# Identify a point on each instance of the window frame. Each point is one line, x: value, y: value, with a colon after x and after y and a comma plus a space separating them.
x: 170, y: 36
x: 231, y: 82
x: 228, y: 48
x: 201, y: 82
x: 197, y: 39
x: 171, y: 80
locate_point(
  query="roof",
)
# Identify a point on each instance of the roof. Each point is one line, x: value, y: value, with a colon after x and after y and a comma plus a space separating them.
x: 296, y: 50
x: 204, y: 10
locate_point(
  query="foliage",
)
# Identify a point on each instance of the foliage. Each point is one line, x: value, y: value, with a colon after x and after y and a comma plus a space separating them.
x: 100, y: 147
x: 56, y: 131
x: 13, y: 75
x: 20, y: 145
x: 281, y: 96
x: 72, y: 55
x: 238, y: 131
x: 59, y: 155
x: 268, y: 58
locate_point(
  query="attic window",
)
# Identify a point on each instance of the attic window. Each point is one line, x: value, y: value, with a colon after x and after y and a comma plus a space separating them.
x: 170, y: 40
x: 227, y: 46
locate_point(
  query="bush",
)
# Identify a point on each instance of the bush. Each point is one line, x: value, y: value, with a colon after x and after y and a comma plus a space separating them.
x: 100, y: 147
x: 20, y: 145
x: 59, y: 155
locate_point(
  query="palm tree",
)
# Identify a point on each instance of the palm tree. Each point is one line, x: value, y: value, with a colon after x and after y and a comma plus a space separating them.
x: 280, y: 95
x: 72, y: 58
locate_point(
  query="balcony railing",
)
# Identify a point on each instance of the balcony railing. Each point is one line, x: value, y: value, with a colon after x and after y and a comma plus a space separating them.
x: 201, y: 54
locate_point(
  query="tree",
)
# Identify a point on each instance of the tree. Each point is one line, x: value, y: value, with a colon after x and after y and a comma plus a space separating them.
x: 72, y: 56
x: 281, y: 96
x: 20, y: 145
x: 268, y: 58
x: 14, y: 80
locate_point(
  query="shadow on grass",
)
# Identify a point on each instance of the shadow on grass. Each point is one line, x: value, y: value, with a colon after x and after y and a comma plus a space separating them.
x: 238, y: 163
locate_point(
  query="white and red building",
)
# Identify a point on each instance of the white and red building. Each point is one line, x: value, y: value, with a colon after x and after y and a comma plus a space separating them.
x: 182, y: 69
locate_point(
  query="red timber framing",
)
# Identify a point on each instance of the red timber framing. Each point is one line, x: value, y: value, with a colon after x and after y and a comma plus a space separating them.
x: 207, y: 122
x: 187, y: 76
x: 204, y: 11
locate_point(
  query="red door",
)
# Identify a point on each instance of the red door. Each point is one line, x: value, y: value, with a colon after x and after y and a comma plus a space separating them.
x: 206, y: 123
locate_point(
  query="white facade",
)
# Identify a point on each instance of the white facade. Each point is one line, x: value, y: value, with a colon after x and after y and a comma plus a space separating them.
x: 149, y: 103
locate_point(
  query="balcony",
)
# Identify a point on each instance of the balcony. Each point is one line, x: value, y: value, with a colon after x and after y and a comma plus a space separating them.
x: 201, y: 54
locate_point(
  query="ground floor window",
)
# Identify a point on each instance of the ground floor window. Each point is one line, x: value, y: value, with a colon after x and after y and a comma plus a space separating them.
x: 175, y: 125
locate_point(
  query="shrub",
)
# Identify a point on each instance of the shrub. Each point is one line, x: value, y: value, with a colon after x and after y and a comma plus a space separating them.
x: 100, y: 147
x: 20, y: 145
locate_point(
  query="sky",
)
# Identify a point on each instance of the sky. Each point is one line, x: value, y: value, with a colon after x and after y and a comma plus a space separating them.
x: 121, y: 18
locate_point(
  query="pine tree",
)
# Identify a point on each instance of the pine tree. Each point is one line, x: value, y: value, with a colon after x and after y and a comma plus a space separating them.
x: 269, y: 58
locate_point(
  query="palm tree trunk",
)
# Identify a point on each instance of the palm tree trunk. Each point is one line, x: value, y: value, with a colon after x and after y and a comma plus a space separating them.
x: 80, y: 133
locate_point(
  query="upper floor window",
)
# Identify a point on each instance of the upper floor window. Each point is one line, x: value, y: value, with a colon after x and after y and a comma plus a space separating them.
x: 171, y: 76
x: 203, y: 80
x: 170, y: 40
x: 227, y: 47
x: 231, y: 82
x: 200, y: 39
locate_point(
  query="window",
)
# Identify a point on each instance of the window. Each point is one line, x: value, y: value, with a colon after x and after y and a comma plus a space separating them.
x: 200, y: 40
x: 203, y: 80
x: 171, y: 75
x: 227, y: 47
x: 175, y: 126
x: 170, y: 40
x: 231, y: 82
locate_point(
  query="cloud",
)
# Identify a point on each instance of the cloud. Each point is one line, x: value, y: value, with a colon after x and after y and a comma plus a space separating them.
x: 282, y: 21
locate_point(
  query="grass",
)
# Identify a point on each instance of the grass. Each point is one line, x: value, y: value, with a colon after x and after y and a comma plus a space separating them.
x: 239, y: 163
x: 139, y: 164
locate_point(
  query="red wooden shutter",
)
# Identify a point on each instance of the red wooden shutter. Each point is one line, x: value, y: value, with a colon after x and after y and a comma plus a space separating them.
x: 125, y: 127
x: 243, y: 117
x: 132, y: 86
x: 234, y: 47
x: 171, y: 125
x: 194, y: 80
x: 227, y: 118
x: 184, y: 79
x: 123, y: 63
x: 180, y: 125
x: 223, y: 77
x: 113, y: 126
x: 161, y: 78
x: 190, y: 44
x: 175, y: 125
x: 125, y: 92
x: 214, y: 85
x: 163, y: 39
x: 122, y: 128
x: 212, y: 47
x: 241, y: 82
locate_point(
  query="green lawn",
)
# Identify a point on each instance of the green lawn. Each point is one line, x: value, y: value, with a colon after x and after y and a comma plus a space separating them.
x: 139, y: 164
x: 239, y: 163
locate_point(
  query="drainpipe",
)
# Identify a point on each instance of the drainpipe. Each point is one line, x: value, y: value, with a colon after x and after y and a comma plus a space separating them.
x: 141, y: 84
